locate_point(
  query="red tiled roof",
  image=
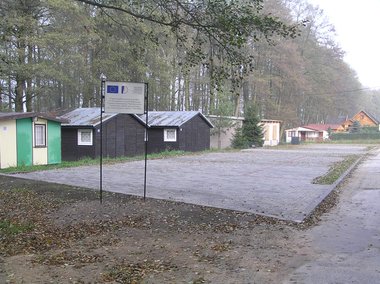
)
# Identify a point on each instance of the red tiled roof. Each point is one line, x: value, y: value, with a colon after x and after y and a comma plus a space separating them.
x: 322, y: 127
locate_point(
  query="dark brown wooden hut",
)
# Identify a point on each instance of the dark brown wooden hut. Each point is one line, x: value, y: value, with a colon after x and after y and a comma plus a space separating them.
x: 123, y: 134
x: 177, y: 130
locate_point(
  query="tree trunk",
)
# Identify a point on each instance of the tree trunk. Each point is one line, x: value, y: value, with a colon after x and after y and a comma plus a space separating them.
x: 19, y: 94
x: 20, y: 78
x: 9, y: 93
x: 29, y: 89
x: 237, y: 105
x: 187, y: 91
x: 212, y: 79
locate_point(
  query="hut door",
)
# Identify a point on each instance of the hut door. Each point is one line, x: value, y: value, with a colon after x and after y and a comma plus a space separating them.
x: 24, y: 142
x: 303, y: 135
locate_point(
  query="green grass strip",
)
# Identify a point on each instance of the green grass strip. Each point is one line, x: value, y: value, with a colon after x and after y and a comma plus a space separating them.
x: 106, y: 160
x: 9, y: 228
x: 89, y: 162
x: 336, y: 170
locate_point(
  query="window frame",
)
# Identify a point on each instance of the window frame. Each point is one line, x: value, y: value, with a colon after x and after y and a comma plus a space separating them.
x: 292, y: 133
x: 79, y: 137
x: 43, y: 144
x: 166, y: 139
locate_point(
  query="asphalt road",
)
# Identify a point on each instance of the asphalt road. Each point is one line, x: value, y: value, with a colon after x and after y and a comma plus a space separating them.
x: 345, y: 247
x: 271, y: 182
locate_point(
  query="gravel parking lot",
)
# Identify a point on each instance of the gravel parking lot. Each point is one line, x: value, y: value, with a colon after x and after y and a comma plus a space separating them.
x: 271, y: 182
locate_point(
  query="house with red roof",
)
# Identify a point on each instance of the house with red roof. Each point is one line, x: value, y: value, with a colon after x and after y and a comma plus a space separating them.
x: 310, y: 132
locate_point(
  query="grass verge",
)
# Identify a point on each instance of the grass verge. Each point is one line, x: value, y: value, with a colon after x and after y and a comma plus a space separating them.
x: 106, y: 160
x: 9, y: 228
x: 336, y: 170
x: 357, y: 141
x: 88, y: 162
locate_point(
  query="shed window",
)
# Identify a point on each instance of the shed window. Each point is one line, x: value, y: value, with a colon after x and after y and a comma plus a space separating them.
x: 291, y: 134
x: 85, y: 137
x: 40, y: 135
x: 170, y: 135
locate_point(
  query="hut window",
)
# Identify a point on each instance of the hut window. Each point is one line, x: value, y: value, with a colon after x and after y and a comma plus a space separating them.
x: 39, y: 135
x: 85, y: 137
x: 291, y: 134
x: 170, y: 135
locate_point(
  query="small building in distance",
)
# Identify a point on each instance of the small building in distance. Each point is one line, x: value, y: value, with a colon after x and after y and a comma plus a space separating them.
x: 271, y: 131
x: 225, y: 127
x: 364, y: 118
x: 177, y: 130
x: 29, y: 138
x: 224, y: 130
x: 123, y: 134
x: 310, y: 132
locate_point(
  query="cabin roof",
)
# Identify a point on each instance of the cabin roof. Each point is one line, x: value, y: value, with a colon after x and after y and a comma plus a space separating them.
x: 89, y: 117
x: 171, y: 118
x: 20, y: 115
x: 322, y: 127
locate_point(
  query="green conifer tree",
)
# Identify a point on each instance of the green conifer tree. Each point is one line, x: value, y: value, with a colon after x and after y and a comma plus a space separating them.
x: 251, y: 133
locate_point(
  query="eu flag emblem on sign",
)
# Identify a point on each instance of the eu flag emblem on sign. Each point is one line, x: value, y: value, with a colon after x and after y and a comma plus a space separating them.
x: 112, y: 89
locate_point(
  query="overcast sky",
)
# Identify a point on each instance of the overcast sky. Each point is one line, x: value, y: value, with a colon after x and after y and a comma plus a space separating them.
x: 357, y: 24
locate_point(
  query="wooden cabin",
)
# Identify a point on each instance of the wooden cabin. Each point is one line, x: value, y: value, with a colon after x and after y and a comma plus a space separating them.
x: 310, y: 132
x: 29, y: 139
x: 271, y: 131
x: 222, y: 136
x: 365, y: 119
x: 177, y: 130
x: 123, y: 134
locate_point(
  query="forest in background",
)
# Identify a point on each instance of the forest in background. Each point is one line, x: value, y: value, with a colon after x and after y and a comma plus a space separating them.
x: 52, y: 53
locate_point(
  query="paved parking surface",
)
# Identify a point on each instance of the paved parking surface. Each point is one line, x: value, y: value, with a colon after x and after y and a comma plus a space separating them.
x: 271, y: 182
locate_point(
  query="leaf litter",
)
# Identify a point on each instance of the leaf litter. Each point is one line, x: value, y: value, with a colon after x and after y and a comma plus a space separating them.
x: 127, y: 240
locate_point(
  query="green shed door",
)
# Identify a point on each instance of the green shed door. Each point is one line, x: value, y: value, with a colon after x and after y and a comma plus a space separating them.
x: 24, y: 142
x: 54, y: 142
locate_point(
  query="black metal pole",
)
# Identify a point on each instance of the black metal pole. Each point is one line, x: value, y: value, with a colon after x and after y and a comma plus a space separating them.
x: 146, y: 134
x: 103, y: 78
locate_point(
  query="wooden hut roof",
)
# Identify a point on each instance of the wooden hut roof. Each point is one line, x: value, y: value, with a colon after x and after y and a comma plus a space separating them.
x: 172, y: 118
x: 89, y: 117
x: 20, y: 115
x: 322, y: 127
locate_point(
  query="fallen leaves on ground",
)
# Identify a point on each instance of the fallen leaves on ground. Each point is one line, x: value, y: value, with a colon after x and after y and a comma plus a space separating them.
x: 127, y: 240
x: 131, y: 273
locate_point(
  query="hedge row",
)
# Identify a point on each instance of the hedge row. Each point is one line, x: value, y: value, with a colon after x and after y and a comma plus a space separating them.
x: 354, y: 136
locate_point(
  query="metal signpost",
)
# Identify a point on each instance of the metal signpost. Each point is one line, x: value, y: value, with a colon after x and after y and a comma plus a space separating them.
x: 128, y: 98
x: 103, y: 81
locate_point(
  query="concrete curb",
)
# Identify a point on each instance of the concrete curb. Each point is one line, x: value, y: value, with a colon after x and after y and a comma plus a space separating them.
x: 334, y: 186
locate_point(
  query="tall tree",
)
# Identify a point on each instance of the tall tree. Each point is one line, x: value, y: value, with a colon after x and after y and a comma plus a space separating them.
x: 20, y: 23
x: 251, y: 133
x: 204, y: 26
x: 196, y: 55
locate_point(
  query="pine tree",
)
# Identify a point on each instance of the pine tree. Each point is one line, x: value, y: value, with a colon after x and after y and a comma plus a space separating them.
x: 355, y: 128
x: 251, y: 133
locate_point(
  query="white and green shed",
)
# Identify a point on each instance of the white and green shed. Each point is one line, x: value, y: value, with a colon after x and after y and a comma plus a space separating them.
x: 29, y: 139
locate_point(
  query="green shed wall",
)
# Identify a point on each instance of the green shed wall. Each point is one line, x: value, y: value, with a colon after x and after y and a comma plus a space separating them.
x: 54, y: 142
x: 24, y: 133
